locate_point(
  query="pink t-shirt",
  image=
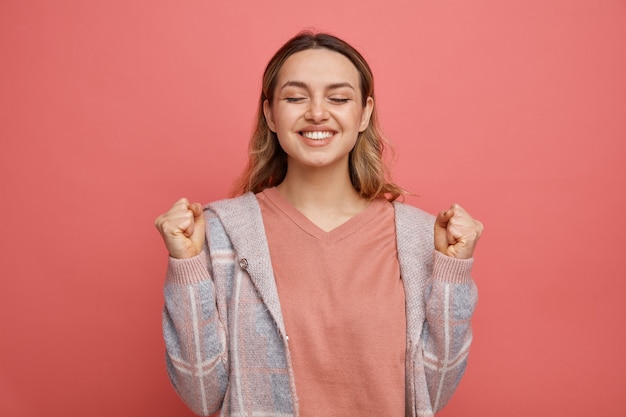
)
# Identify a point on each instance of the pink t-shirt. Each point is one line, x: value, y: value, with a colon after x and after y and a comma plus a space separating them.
x: 343, y: 305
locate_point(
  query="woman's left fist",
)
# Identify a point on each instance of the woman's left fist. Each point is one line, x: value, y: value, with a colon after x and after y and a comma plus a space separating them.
x: 456, y: 232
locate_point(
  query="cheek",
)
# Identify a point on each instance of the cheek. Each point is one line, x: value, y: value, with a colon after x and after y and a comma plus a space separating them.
x: 357, y: 119
x: 283, y: 119
x: 282, y: 140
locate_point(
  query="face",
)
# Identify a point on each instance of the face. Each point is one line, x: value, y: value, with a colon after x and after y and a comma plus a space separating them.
x: 317, y: 110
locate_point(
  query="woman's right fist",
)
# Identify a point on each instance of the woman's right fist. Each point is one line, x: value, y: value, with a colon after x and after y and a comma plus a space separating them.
x: 182, y: 229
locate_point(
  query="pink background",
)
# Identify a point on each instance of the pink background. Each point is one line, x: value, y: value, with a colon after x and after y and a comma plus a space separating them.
x: 111, y: 110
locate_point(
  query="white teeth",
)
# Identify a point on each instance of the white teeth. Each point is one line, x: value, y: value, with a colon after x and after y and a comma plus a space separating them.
x: 317, y: 135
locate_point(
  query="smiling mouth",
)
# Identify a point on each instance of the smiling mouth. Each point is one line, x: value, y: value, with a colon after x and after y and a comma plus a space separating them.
x: 317, y: 135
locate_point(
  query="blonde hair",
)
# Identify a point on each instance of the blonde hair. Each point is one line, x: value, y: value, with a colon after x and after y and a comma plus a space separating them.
x: 267, y: 161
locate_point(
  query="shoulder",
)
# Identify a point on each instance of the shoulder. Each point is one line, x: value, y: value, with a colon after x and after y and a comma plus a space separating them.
x: 414, y: 232
x: 237, y: 218
x: 243, y: 208
x: 238, y: 210
x: 407, y: 215
x: 415, y: 236
x: 243, y: 203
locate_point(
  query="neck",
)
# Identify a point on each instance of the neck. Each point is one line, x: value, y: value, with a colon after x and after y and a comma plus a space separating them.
x: 325, y: 196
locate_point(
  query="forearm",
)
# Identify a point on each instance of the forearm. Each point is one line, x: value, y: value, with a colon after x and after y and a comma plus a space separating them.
x: 447, y: 333
x: 194, y: 338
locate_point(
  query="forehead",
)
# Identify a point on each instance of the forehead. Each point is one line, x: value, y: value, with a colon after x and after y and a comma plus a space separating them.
x: 318, y: 66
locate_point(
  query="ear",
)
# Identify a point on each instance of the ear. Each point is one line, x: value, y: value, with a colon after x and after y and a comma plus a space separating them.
x: 269, y: 118
x: 367, y: 114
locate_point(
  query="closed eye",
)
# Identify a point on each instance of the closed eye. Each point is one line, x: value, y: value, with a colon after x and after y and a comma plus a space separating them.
x: 339, y: 100
x: 293, y: 99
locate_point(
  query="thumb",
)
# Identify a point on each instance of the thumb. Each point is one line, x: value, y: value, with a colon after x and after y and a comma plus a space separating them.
x: 196, y: 231
x: 442, y: 238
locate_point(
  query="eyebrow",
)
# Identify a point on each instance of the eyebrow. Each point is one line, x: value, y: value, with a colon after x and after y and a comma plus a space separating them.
x: 301, y: 84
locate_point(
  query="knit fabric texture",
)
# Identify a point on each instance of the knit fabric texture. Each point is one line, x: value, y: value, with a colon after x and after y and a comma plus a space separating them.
x: 224, y: 331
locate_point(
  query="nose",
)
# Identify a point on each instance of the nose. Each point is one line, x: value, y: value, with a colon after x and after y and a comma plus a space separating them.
x: 317, y: 111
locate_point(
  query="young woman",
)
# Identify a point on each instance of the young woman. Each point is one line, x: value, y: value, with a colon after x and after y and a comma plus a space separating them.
x: 315, y: 292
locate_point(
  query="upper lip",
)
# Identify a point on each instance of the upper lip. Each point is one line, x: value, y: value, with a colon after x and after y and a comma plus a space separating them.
x: 318, y: 129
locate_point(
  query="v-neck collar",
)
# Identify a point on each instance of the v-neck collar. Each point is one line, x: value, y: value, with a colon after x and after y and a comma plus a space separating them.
x: 340, y: 232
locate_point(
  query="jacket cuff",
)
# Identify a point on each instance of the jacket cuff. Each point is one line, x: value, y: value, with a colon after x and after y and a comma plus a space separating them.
x: 453, y: 270
x: 187, y: 271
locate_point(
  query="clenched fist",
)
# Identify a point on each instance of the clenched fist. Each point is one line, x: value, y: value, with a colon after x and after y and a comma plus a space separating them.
x: 456, y: 232
x: 182, y: 229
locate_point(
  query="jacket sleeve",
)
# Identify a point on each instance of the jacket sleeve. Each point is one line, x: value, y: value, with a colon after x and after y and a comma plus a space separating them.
x: 447, y: 334
x: 194, y: 334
